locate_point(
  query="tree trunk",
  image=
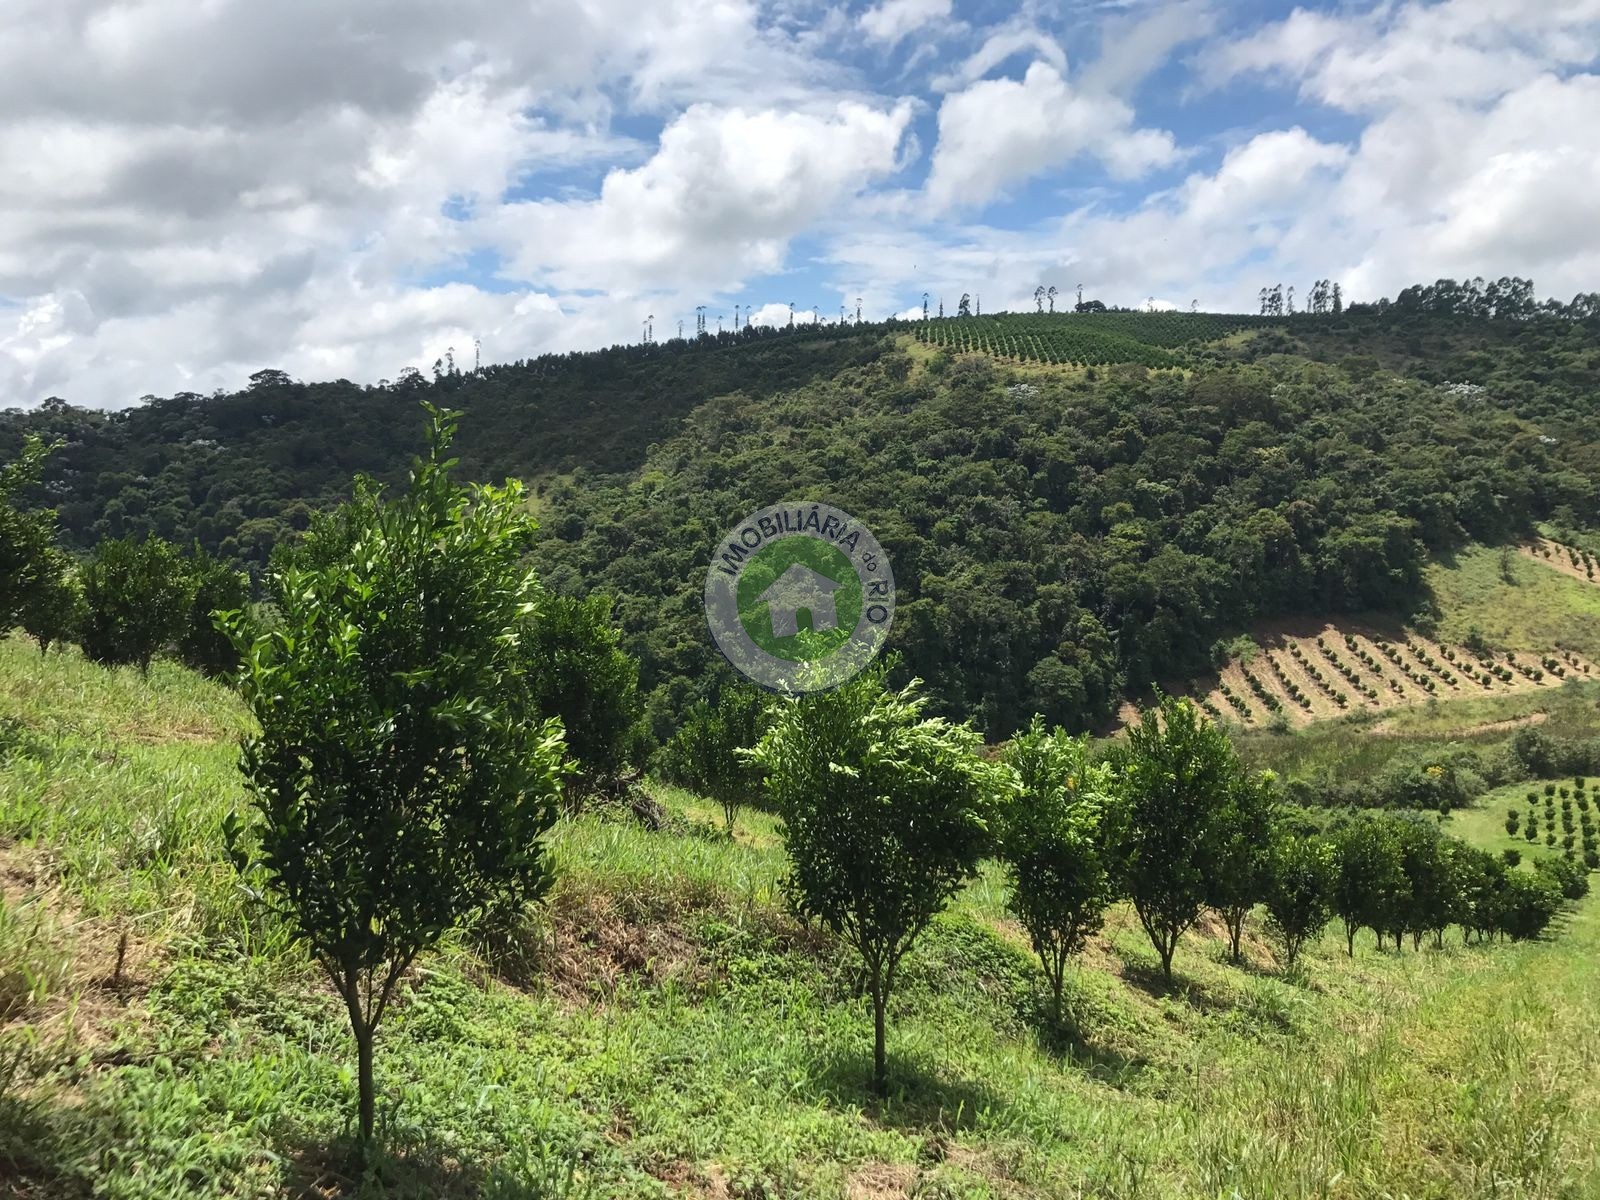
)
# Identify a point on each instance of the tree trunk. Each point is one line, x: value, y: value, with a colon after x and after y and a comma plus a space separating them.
x: 364, y: 1077
x: 1166, y: 949
x: 1235, y: 932
x: 1350, y: 940
x: 880, y: 1058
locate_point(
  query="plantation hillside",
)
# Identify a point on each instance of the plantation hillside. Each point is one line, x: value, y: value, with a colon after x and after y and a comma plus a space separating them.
x: 664, y: 1027
x: 1066, y: 528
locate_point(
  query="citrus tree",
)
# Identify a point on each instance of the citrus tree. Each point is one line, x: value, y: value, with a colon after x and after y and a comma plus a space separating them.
x: 580, y: 673
x: 29, y: 561
x: 403, y: 774
x: 705, y: 755
x: 1178, y: 775
x: 1053, y: 838
x: 53, y: 609
x: 885, y: 813
x: 214, y: 587
x: 136, y: 600
x: 1371, y: 887
x: 1300, y: 878
x: 1239, y: 872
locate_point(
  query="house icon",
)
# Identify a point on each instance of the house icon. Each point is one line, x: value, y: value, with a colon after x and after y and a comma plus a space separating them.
x: 800, y: 588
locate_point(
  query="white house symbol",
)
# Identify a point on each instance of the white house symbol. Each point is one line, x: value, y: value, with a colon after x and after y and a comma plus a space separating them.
x: 800, y: 588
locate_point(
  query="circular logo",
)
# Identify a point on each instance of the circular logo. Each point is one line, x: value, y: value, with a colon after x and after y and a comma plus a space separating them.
x: 799, y: 597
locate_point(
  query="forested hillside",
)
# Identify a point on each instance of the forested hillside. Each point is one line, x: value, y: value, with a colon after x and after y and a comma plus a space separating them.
x: 1063, y: 533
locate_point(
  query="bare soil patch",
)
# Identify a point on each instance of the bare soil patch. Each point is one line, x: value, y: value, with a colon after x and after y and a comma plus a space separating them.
x: 1402, y: 667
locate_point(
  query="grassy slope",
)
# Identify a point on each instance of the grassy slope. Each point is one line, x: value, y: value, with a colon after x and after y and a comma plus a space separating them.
x: 680, y: 1035
x: 1538, y: 609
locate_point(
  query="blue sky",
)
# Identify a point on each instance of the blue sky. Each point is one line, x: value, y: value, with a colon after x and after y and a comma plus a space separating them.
x: 191, y: 193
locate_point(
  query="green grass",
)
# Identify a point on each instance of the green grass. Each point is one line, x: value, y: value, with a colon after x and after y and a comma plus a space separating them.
x: 1539, y: 609
x: 671, y: 1030
x: 1348, y: 747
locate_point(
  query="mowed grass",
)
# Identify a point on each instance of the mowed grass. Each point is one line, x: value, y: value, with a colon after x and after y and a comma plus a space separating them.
x: 663, y: 1026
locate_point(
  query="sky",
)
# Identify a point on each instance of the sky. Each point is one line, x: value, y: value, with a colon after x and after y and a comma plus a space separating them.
x: 194, y: 190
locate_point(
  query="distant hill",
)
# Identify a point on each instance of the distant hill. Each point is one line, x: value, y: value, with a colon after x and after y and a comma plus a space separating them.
x: 1068, y: 524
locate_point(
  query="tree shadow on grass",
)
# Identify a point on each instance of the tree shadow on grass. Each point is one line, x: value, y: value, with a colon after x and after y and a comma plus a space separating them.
x: 916, y: 1098
x: 1074, y: 1047
x: 32, y: 1149
x: 405, y: 1168
x: 1069, y: 1036
x: 1149, y: 980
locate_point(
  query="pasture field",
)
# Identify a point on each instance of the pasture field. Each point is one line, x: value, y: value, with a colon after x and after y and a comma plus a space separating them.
x: 663, y: 1027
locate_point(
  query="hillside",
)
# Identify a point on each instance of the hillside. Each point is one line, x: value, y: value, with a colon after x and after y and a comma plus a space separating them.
x: 664, y: 1028
x: 1065, y: 532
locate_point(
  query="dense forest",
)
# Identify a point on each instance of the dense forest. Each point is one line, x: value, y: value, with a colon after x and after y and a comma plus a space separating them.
x: 1062, y: 534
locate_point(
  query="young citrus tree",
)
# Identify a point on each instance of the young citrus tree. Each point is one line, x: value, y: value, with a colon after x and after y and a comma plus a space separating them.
x: 1239, y: 872
x: 29, y: 561
x: 403, y: 775
x: 885, y: 814
x: 215, y: 587
x: 53, y: 610
x: 136, y: 600
x: 704, y: 754
x: 1053, y: 838
x: 1371, y: 886
x: 1178, y: 774
x: 581, y: 674
x: 1300, y: 879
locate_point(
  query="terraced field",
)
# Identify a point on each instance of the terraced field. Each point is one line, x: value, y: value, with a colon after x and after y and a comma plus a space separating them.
x: 1343, y: 670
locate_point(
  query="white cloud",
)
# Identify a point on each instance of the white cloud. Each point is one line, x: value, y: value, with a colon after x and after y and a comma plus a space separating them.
x: 719, y: 200
x: 1018, y: 38
x: 192, y: 191
x: 1001, y: 131
x: 893, y: 20
x: 1416, y: 53
x: 1133, y: 47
